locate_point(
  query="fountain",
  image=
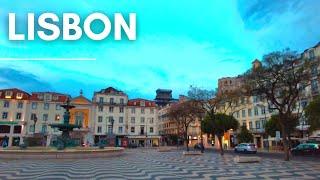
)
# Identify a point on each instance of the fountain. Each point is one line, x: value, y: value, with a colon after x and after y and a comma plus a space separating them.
x: 62, y: 142
x: 65, y: 140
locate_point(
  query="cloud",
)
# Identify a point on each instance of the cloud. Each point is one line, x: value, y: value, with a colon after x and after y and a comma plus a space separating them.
x: 10, y: 78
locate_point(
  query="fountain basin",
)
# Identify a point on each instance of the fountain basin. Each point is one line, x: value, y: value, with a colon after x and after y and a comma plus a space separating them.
x: 52, y: 153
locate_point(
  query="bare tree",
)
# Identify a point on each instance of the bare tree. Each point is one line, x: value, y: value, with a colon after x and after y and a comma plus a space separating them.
x: 281, y: 80
x: 184, y: 113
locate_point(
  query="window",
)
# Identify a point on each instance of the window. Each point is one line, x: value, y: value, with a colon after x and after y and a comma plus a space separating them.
x: 249, y: 112
x: 314, y: 85
x: 34, y: 105
x: 19, y: 95
x: 55, y: 97
x: 121, y: 120
x: 99, y: 130
x: 57, y: 117
x: 142, y: 120
x: 120, y: 130
x: 244, y: 124
x: 151, y: 121
x: 99, y: 119
x: 79, y: 118
x: 121, y: 101
x: 132, y: 129
x: 46, y: 106
x: 263, y: 122
x: 314, y: 70
x: 17, y: 129
x: 18, y: 116
x: 109, y: 129
x: 45, y: 117
x: 143, y: 103
x: 263, y: 110
x: 58, y: 107
x: 8, y: 94
x: 142, y: 110
x: 258, y: 124
x: 311, y: 54
x: 111, y: 101
x: 151, y: 130
x: 243, y: 113
x: 151, y: 111
x: 121, y: 109
x: 100, y: 99
x: 100, y: 108
x: 256, y: 111
x: 5, y: 129
x: 133, y: 110
x: 110, y: 119
x: 33, y: 116
x: 4, y: 115
x: 6, y: 104
x: 44, y: 129
x: 20, y: 105
x: 250, y: 125
x: 47, y: 97
x: 31, y: 128
x: 255, y: 99
x: 133, y: 120
x: 111, y: 109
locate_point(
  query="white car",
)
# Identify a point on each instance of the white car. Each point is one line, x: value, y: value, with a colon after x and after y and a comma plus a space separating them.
x: 246, y: 148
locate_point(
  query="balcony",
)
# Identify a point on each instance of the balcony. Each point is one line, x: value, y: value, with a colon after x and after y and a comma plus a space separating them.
x: 257, y: 130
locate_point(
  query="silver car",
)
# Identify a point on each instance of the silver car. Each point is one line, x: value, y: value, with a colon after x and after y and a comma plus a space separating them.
x: 246, y: 148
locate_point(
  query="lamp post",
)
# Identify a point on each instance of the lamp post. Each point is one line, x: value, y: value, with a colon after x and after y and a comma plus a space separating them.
x: 35, y: 119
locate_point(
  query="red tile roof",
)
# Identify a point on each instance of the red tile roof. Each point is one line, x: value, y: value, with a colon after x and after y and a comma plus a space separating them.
x: 138, y: 102
x: 61, y: 97
x: 15, y: 91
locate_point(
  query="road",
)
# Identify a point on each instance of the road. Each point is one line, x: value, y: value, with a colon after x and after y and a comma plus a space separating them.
x: 151, y: 164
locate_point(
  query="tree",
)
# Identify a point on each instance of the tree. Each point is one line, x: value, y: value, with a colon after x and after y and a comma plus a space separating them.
x: 280, y: 80
x: 245, y: 136
x: 218, y: 124
x: 312, y: 113
x: 184, y: 113
x: 272, y: 126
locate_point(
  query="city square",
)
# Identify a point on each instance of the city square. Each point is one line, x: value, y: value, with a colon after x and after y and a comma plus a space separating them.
x: 144, y: 163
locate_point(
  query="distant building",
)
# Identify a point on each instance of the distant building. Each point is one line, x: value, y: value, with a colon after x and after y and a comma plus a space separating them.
x: 164, y: 97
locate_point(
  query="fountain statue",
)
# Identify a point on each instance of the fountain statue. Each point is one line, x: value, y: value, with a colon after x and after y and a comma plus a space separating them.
x: 64, y: 140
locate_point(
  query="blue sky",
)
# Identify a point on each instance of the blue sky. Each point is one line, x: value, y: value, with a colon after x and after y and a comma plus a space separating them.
x: 179, y: 43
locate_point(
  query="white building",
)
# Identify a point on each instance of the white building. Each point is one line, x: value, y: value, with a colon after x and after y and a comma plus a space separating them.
x: 13, y: 109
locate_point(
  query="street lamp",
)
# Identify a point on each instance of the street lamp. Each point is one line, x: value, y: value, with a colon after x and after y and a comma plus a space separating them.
x: 112, y: 122
x: 35, y: 119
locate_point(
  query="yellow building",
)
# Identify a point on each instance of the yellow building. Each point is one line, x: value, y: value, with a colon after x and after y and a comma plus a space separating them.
x: 82, y: 115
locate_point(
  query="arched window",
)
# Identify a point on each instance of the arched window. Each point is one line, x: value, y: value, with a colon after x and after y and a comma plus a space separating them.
x: 79, y: 118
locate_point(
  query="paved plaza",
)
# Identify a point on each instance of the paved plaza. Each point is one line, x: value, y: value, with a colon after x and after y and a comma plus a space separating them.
x: 151, y: 164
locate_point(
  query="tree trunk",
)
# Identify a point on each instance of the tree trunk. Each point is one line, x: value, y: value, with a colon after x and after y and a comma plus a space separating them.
x: 285, y: 144
x: 187, y: 137
x: 220, y: 144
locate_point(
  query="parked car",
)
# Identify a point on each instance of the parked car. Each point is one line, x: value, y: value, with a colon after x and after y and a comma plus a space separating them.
x: 246, y: 148
x: 198, y: 146
x: 306, y: 149
x: 132, y: 146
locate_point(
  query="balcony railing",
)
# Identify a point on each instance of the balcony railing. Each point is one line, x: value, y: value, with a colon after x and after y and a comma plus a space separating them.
x: 257, y: 130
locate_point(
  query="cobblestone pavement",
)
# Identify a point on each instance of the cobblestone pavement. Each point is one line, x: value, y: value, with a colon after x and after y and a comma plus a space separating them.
x: 151, y: 164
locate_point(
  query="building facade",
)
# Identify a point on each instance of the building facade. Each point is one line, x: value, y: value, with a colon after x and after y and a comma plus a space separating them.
x: 13, y: 120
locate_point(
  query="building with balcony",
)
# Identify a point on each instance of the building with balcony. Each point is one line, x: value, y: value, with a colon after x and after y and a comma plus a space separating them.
x: 142, y: 122
x: 110, y: 115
